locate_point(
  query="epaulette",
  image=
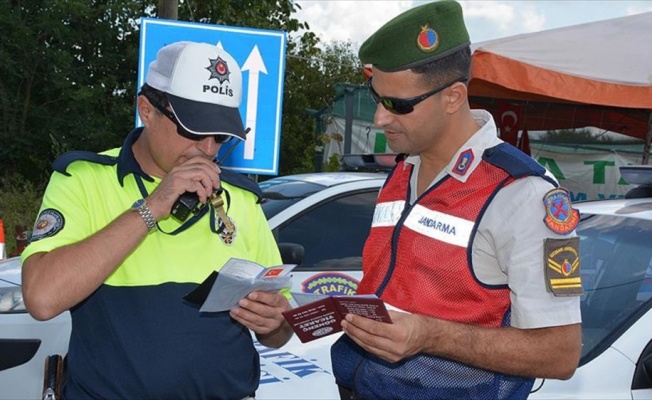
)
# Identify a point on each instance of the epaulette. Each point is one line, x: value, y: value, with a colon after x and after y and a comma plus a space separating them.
x: 516, y: 163
x: 241, y: 181
x: 61, y: 163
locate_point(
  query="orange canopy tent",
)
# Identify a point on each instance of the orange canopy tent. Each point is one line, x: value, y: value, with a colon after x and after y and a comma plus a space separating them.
x: 596, y: 74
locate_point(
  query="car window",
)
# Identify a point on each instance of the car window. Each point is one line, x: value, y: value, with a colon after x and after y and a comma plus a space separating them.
x: 279, y: 194
x: 616, y: 265
x: 332, y: 232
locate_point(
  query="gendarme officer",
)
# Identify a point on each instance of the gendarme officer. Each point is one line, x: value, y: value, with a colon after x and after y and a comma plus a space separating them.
x: 472, y: 240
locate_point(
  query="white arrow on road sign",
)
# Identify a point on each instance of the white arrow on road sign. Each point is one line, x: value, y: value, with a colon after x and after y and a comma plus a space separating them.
x: 255, y: 65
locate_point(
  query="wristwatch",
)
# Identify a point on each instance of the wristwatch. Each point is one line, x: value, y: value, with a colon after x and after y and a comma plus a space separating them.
x: 144, y: 211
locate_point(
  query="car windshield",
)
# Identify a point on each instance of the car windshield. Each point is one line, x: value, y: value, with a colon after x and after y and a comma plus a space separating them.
x: 280, y: 193
x: 616, y: 254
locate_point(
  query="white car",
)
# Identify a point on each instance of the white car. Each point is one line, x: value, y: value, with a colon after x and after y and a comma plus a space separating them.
x: 24, y: 342
x: 329, y: 215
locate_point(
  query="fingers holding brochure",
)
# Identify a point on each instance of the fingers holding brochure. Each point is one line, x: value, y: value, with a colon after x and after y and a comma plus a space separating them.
x: 261, y: 312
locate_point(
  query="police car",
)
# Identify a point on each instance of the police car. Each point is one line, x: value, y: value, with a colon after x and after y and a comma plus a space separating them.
x: 328, y: 215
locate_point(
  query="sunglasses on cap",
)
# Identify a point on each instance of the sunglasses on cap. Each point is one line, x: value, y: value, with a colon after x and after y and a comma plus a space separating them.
x: 405, y: 106
x: 180, y: 129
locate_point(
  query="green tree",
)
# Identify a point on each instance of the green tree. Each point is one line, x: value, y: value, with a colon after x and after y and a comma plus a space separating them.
x: 67, y: 72
x: 310, y: 84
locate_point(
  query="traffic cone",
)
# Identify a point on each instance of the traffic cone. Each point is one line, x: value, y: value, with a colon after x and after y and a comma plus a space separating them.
x: 3, y: 255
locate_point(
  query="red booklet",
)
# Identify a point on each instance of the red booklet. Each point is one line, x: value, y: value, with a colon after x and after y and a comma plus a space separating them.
x: 323, y: 317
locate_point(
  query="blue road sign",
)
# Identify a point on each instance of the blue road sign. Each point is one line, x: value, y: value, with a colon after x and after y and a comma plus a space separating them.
x: 261, y: 56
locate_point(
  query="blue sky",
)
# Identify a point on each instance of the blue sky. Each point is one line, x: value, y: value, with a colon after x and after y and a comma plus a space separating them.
x: 355, y: 20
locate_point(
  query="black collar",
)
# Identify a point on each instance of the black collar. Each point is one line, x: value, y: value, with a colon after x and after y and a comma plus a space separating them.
x: 127, y: 163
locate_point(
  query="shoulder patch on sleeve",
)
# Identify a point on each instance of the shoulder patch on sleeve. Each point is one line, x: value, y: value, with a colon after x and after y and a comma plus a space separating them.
x: 560, y: 217
x: 562, y: 264
x: 48, y: 223
x: 241, y: 181
x: 61, y: 163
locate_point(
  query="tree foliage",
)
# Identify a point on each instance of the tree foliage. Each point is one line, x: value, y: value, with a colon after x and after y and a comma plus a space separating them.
x: 68, y: 75
x: 67, y: 72
x: 310, y: 84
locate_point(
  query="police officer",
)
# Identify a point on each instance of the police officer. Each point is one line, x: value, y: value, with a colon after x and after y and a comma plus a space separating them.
x: 106, y: 248
x: 471, y: 240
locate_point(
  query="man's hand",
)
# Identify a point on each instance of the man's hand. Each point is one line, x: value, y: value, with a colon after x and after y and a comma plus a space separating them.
x: 391, y: 342
x: 197, y: 174
x: 261, y: 312
x: 551, y: 352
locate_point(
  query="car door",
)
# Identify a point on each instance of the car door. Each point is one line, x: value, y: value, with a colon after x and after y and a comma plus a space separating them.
x: 332, y: 231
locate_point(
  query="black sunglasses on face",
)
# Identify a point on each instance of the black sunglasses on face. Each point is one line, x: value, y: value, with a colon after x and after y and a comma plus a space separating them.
x: 181, y: 130
x: 405, y: 106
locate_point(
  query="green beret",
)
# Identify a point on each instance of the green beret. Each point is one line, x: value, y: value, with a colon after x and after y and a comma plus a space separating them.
x: 418, y: 36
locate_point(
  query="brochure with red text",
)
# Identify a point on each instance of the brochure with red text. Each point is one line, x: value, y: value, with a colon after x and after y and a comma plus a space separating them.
x: 322, y: 317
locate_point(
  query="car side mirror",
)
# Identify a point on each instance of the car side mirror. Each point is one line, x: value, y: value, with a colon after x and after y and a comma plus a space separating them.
x: 291, y: 253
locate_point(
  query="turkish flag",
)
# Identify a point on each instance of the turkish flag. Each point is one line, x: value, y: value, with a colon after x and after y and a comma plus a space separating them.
x: 524, y: 143
x: 273, y: 272
x: 508, y: 122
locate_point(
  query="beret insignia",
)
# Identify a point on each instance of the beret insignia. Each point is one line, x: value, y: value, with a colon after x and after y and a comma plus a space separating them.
x: 428, y: 39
